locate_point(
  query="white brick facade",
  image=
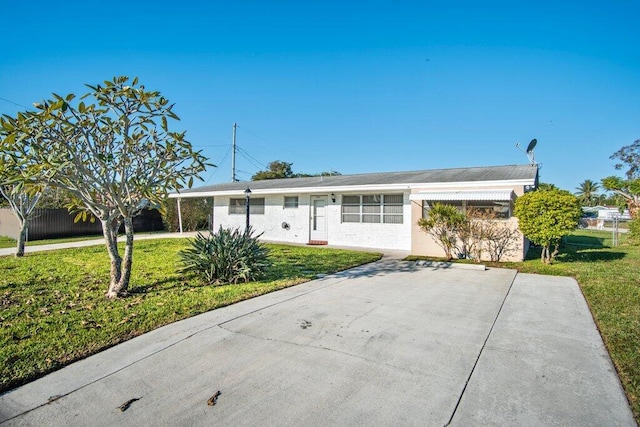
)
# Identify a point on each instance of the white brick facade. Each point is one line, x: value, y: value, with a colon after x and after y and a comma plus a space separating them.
x: 382, y: 236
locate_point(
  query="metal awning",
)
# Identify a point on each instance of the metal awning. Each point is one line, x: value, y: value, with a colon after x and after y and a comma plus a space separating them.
x: 496, y: 195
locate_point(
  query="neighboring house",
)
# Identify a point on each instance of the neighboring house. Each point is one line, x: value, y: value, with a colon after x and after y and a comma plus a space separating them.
x: 607, y: 212
x: 375, y: 210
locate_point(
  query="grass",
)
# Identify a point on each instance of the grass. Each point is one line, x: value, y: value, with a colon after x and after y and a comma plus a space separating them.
x: 53, y: 310
x: 8, y: 242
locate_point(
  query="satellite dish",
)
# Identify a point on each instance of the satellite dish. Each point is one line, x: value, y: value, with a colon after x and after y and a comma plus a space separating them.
x: 529, y: 151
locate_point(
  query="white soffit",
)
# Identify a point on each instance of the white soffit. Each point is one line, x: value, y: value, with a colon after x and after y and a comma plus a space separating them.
x: 498, y: 195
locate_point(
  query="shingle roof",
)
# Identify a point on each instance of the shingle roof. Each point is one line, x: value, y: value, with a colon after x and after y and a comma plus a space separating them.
x: 473, y: 174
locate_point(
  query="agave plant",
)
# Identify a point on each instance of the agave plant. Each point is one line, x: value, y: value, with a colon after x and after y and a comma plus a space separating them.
x: 228, y: 256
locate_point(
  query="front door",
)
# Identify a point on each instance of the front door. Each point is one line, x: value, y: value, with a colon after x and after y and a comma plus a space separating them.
x: 318, y: 223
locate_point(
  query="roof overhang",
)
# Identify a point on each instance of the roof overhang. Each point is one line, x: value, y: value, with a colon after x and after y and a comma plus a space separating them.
x: 496, y: 195
x: 354, y: 188
x: 293, y: 190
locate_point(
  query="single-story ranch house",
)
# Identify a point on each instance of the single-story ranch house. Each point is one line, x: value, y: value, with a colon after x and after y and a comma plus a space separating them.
x: 373, y: 210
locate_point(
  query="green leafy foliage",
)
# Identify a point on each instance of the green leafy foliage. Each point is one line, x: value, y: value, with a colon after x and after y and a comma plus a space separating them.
x: 629, y: 189
x: 20, y: 191
x: 195, y: 214
x: 278, y: 170
x: 228, y: 256
x: 275, y: 170
x: 547, y: 186
x: 587, y: 192
x: 545, y: 216
x: 634, y: 232
x: 443, y: 224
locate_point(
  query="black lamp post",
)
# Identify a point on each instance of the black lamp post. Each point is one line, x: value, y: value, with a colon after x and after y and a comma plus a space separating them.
x: 247, y: 193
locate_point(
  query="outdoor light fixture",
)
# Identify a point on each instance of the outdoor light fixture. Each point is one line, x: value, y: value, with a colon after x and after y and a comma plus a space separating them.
x: 333, y: 197
x: 247, y: 193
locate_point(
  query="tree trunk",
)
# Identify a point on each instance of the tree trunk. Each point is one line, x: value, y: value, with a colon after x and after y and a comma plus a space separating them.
x: 22, y: 238
x: 128, y: 257
x: 544, y: 256
x: 110, y: 232
x: 120, y: 266
x: 556, y: 249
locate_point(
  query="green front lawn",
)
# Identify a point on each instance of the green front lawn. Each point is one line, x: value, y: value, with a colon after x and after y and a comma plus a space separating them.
x: 53, y: 310
x: 7, y: 242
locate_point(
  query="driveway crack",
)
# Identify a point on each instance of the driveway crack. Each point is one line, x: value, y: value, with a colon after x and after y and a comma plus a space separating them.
x: 484, y: 345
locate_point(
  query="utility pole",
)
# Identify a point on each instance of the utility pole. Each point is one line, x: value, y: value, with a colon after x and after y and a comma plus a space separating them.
x: 233, y: 155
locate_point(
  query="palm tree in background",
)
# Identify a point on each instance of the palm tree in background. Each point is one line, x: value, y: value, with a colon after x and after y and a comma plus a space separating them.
x: 587, y: 192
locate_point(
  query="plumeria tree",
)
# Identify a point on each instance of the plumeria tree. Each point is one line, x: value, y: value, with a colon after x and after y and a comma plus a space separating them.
x: 113, y: 151
x: 21, y: 194
x: 23, y: 205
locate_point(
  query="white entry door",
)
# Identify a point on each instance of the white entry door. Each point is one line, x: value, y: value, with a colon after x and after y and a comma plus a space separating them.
x: 318, y: 223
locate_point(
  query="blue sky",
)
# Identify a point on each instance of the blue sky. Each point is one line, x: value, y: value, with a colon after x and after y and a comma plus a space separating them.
x: 354, y: 86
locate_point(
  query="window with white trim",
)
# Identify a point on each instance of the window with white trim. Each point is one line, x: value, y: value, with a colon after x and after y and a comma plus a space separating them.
x: 373, y: 208
x: 239, y: 206
x: 290, y: 202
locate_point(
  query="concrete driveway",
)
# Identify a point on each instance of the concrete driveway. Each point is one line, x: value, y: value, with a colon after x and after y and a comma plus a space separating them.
x: 390, y: 343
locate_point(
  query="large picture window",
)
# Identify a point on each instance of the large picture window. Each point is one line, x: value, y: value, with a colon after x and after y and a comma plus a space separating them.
x: 373, y: 208
x: 238, y: 206
x: 499, y: 209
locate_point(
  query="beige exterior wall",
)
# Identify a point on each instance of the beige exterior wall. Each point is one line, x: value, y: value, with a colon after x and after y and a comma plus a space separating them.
x: 9, y: 224
x: 423, y: 244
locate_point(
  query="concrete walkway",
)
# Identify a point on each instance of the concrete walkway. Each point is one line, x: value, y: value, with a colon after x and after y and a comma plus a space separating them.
x: 390, y: 343
x: 397, y: 254
x: 91, y: 242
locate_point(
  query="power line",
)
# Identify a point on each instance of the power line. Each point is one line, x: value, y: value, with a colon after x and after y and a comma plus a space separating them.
x: 217, y: 168
x: 277, y: 145
x: 14, y: 103
x: 244, y: 173
x: 255, y: 162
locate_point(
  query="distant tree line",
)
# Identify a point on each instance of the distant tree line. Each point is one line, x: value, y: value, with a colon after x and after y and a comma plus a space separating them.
x: 278, y: 169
